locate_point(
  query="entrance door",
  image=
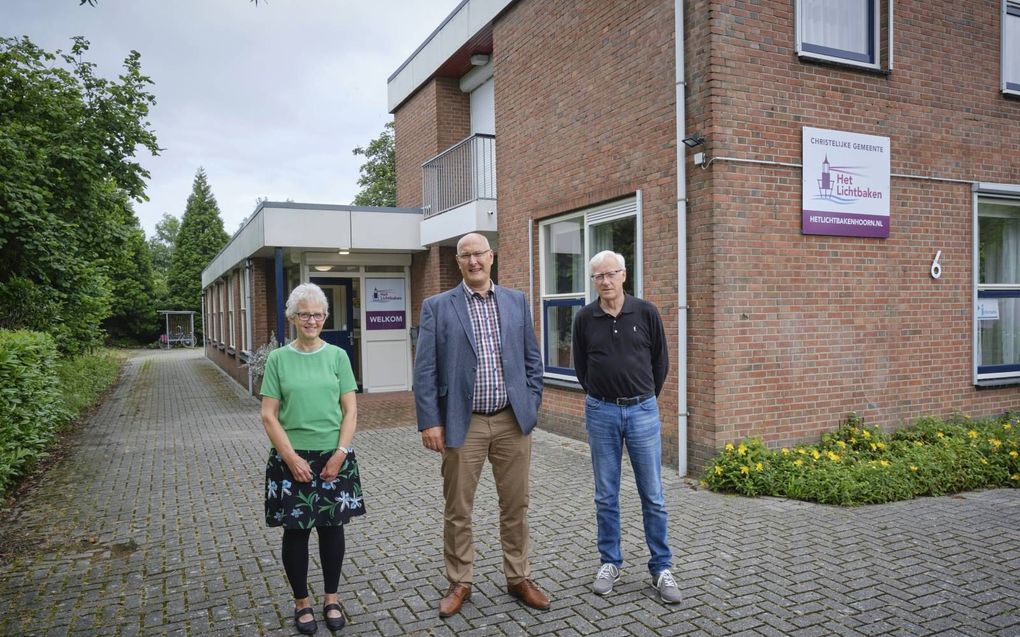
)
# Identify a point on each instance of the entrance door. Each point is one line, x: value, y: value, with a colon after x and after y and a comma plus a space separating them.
x: 339, y: 326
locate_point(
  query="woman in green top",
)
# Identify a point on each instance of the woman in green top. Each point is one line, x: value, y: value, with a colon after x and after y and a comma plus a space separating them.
x: 310, y: 414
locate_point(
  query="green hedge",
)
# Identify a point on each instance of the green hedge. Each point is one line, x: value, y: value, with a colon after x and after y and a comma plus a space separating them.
x: 31, y: 405
x: 857, y: 464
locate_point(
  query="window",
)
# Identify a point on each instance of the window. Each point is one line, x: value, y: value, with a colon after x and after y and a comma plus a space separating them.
x: 243, y: 276
x: 997, y: 307
x: 230, y: 290
x: 221, y: 292
x: 566, y: 244
x: 1011, y: 47
x: 839, y: 30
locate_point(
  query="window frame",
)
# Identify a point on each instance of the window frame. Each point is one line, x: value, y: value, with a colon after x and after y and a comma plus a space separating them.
x: 231, y: 311
x: 613, y: 210
x: 871, y: 60
x: 243, y: 286
x: 1010, y: 16
x: 990, y: 375
x: 222, y: 290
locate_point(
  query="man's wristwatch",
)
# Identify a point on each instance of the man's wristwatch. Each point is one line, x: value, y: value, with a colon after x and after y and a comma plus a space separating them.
x: 347, y: 450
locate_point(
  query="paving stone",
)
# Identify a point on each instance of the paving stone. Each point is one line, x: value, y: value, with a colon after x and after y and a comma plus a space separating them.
x: 181, y: 549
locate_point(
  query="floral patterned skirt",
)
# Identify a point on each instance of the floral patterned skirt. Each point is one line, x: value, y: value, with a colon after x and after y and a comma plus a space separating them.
x: 302, y: 505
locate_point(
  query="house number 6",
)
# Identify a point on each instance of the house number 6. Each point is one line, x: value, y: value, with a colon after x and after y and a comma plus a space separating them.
x: 936, y: 267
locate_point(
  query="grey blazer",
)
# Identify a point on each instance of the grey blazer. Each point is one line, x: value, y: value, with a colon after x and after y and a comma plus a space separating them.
x: 446, y: 359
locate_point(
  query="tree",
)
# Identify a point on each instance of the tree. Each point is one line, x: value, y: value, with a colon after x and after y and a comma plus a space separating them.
x: 378, y: 179
x: 67, y: 142
x: 200, y: 238
x: 161, y: 249
x: 132, y: 299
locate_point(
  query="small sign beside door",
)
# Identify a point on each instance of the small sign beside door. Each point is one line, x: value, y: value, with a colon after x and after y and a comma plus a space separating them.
x: 385, y: 307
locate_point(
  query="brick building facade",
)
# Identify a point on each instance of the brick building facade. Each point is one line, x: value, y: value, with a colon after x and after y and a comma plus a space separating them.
x: 785, y: 332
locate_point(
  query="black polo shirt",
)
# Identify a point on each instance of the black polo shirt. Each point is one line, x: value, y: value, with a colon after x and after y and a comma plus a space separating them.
x: 622, y: 356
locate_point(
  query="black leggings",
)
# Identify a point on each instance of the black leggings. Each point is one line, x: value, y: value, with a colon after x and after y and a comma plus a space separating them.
x: 295, y: 558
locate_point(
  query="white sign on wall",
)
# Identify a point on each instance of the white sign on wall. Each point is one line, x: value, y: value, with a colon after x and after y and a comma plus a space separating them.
x: 385, y: 306
x: 846, y: 185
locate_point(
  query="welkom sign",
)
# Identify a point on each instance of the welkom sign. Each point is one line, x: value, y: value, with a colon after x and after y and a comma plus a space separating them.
x: 846, y: 187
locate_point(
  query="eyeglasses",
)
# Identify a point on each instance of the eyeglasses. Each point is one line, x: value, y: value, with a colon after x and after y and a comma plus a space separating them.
x: 612, y: 274
x: 478, y: 255
x: 317, y: 317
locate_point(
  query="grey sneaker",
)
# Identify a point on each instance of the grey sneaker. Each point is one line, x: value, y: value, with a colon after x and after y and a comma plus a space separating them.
x: 607, y: 576
x: 669, y: 592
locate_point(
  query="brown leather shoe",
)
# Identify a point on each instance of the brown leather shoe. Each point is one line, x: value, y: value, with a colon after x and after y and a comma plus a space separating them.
x: 529, y: 594
x: 455, y: 597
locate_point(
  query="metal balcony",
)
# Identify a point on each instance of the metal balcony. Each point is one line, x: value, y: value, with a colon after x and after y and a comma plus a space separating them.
x: 461, y: 174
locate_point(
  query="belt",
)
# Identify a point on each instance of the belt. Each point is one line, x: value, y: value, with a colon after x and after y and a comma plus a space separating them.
x: 491, y: 413
x: 626, y: 402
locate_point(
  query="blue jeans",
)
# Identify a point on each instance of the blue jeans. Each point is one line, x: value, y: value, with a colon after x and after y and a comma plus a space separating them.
x: 609, y: 428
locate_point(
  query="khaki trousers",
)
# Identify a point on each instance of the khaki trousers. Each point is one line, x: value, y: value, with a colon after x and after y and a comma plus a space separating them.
x: 497, y: 437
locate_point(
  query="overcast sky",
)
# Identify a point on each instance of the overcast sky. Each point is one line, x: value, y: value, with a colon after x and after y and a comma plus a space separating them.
x: 269, y: 99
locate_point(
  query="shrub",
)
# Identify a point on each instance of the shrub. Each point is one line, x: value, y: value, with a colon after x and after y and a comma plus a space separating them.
x: 863, y: 465
x: 41, y: 393
x: 31, y: 409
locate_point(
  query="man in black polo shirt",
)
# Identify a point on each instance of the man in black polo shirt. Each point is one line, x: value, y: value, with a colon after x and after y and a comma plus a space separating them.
x: 621, y: 361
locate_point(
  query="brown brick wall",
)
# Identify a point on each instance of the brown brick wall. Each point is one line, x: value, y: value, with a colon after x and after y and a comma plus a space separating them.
x: 585, y: 112
x: 804, y: 329
x: 787, y: 333
x: 436, y: 117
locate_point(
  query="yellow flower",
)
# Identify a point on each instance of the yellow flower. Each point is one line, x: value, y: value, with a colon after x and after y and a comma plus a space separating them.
x: 1007, y: 426
x: 913, y: 468
x: 759, y: 467
x: 744, y: 470
x: 718, y: 470
x: 1013, y: 454
x: 918, y: 443
x: 841, y: 444
x: 972, y: 433
x: 798, y: 462
x: 853, y: 441
x: 785, y: 451
x: 801, y: 451
x: 995, y: 442
x: 833, y: 456
x: 815, y: 454
x: 742, y: 450
x: 729, y: 446
x: 866, y: 433
x: 940, y: 435
x: 983, y: 461
x: 884, y: 463
x: 881, y: 445
x: 966, y: 417
x: 1015, y: 476
x: 874, y: 446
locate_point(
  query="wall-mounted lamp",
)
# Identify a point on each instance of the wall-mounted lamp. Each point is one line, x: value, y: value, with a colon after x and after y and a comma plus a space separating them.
x: 479, y: 59
x: 323, y: 268
x: 343, y: 251
x: 693, y: 140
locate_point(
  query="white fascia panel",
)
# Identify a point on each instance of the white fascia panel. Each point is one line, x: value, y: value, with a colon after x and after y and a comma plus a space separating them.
x: 468, y: 20
x: 481, y: 12
x: 248, y: 241
x: 385, y: 231
x: 454, y: 33
x: 296, y: 228
x: 475, y: 216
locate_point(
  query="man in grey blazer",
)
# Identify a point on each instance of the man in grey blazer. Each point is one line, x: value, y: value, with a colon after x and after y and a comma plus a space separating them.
x: 477, y: 389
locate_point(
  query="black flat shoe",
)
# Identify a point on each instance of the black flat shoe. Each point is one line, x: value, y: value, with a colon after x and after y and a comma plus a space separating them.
x: 305, y: 627
x: 334, y: 623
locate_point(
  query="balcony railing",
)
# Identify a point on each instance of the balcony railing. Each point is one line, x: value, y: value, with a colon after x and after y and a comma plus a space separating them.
x: 462, y: 173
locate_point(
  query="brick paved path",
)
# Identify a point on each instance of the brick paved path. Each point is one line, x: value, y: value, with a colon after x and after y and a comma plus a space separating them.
x: 123, y: 538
